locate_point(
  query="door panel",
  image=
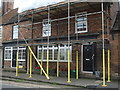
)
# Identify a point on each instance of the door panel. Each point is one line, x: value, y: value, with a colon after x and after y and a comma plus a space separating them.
x: 87, y: 58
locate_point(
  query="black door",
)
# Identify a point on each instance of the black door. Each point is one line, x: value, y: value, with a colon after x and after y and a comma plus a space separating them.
x: 88, y: 58
x: 14, y: 58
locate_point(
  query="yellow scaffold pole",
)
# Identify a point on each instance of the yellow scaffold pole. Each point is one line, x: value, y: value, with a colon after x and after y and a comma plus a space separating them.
x: 41, y: 62
x: 38, y: 63
x: 30, y: 65
x: 17, y: 63
x: 58, y: 64
x: 48, y: 62
x: 109, y: 66
x: 76, y: 64
x: 69, y: 81
x: 103, y: 51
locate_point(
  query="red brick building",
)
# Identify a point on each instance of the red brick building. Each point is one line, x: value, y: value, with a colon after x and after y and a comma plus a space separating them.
x: 34, y: 27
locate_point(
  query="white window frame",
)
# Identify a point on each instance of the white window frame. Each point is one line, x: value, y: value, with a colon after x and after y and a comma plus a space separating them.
x: 46, y: 26
x: 21, y: 48
x: 11, y: 48
x: 8, y: 48
x: 15, y: 32
x: 53, y: 49
x: 1, y: 29
x: 76, y: 29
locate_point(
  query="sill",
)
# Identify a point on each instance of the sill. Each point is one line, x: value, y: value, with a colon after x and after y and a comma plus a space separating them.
x: 81, y: 32
x: 7, y: 59
x: 55, y: 61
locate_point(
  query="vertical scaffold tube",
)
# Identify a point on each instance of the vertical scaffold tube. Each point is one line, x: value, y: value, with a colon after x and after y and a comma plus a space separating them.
x: 41, y: 61
x: 28, y: 59
x: 109, y: 66
x: 76, y: 64
x: 104, y: 83
x: 30, y: 65
x: 69, y: 66
x: 48, y: 62
x: 58, y: 64
x: 17, y: 63
x: 103, y: 51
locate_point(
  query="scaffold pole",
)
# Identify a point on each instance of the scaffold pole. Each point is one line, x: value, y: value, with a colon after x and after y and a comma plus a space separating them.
x: 108, y: 66
x: 69, y: 81
x: 58, y: 62
x: 103, y: 51
x: 41, y: 62
x: 76, y: 64
x: 30, y: 66
x: 17, y: 63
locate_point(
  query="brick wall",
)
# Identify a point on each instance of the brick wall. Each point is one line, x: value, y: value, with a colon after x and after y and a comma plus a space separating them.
x: 7, y: 64
x: 115, y: 55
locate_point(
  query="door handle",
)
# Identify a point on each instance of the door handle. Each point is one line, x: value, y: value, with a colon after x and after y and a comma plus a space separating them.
x: 92, y: 56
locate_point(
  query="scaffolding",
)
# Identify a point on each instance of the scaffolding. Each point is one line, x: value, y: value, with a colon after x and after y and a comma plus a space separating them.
x: 46, y: 73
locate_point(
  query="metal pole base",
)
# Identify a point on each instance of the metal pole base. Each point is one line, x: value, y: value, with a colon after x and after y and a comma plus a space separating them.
x: 68, y: 81
x: 108, y: 81
x: 30, y: 76
x: 104, y: 85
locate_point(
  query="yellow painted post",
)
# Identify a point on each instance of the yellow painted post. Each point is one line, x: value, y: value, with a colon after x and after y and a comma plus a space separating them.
x: 30, y: 66
x: 41, y: 62
x: 104, y: 83
x: 69, y: 81
x: 109, y: 66
x: 76, y: 64
x: 17, y: 63
x: 28, y: 63
x: 48, y: 62
x: 58, y: 64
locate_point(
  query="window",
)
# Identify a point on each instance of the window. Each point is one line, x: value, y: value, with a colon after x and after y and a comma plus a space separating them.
x: 81, y: 23
x: 53, y: 52
x: 22, y: 54
x: 15, y: 32
x: 46, y: 28
x: 8, y: 53
x: 0, y: 32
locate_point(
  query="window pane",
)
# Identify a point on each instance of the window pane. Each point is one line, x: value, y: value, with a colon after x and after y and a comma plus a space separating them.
x: 40, y: 53
x: 50, y: 55
x: 15, y: 32
x: 66, y: 53
x: 8, y: 53
x: 45, y: 54
x: 81, y: 26
x: 55, y: 54
x: 46, y: 28
x: 62, y: 54
x: 22, y: 54
x: 0, y: 32
x: 81, y: 22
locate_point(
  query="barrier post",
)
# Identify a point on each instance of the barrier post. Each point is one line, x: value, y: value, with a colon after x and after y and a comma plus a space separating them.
x: 69, y: 81
x: 58, y: 64
x: 109, y: 66
x: 30, y: 66
x: 41, y: 61
x: 17, y: 63
x: 76, y: 64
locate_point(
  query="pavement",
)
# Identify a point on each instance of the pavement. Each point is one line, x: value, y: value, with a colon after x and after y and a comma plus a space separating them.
x: 81, y: 82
